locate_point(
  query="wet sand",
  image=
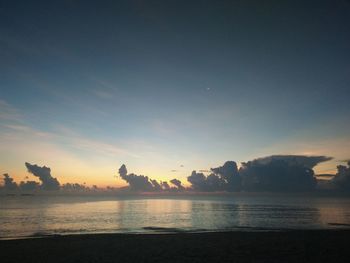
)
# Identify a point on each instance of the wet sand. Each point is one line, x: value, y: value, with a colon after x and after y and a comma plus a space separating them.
x: 285, y: 246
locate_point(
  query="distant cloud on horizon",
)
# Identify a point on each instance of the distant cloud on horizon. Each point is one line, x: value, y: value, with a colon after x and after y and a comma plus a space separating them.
x: 9, y: 184
x: 276, y: 173
x: 44, y: 174
x: 342, y: 178
x: 223, y: 178
x: 144, y: 183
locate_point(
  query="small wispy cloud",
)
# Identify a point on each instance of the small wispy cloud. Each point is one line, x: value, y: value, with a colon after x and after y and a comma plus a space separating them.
x: 82, y: 142
x: 8, y: 112
x: 104, y: 89
x: 14, y: 129
x: 103, y: 94
x: 28, y: 130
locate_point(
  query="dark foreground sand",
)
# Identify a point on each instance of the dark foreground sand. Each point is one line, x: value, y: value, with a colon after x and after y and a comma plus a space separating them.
x: 286, y: 246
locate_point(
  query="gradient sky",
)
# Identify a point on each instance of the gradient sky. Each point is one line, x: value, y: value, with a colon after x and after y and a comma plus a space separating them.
x: 170, y: 85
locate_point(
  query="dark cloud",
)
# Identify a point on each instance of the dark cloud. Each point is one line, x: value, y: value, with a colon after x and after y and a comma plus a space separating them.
x: 9, y: 184
x: 178, y: 184
x: 197, y: 181
x: 47, y: 182
x: 74, y: 187
x: 165, y: 186
x: 222, y: 178
x: 300, y: 160
x: 146, y: 184
x: 228, y: 173
x: 123, y: 171
x: 29, y: 186
x: 156, y: 186
x: 110, y: 188
x: 272, y: 173
x: 342, y: 179
x: 44, y: 174
x: 280, y: 173
x: 136, y: 182
x: 200, y: 182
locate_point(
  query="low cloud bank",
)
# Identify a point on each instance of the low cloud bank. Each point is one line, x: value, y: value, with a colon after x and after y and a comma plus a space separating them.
x: 11, y: 185
x: 29, y: 186
x: 75, y: 187
x: 141, y: 183
x: 277, y: 173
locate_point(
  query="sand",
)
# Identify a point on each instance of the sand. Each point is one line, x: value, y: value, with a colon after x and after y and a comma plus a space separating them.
x: 285, y: 246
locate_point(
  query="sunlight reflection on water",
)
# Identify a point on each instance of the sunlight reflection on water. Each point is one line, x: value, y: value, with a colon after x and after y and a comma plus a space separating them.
x: 25, y: 216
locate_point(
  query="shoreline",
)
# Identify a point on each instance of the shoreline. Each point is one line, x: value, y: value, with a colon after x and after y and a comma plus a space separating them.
x: 238, y: 246
x: 151, y: 230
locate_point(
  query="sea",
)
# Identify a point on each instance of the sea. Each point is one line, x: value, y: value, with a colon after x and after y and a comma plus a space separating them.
x: 38, y: 216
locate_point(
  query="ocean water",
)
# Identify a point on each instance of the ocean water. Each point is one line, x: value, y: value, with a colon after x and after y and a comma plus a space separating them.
x: 28, y: 216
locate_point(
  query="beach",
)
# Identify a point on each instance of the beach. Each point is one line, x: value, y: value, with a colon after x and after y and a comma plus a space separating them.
x: 270, y: 246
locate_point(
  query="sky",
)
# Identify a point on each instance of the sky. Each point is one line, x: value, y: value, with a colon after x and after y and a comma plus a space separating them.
x: 167, y: 87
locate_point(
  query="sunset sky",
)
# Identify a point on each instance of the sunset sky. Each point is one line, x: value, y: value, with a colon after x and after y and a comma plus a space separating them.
x: 167, y: 87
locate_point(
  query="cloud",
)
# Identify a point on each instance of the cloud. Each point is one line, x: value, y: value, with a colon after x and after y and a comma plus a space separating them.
x: 222, y: 178
x: 44, y: 174
x: 9, y: 184
x: 81, y: 142
x: 62, y: 140
x: 197, y: 181
x: 29, y: 186
x: 123, y: 171
x: 165, y: 186
x: 146, y: 184
x: 272, y: 173
x: 136, y: 182
x: 342, y: 179
x: 8, y: 112
x: 103, y: 94
x: 307, y: 161
x: 178, y: 184
x: 280, y: 173
x: 47, y: 181
x: 228, y: 173
x: 156, y: 186
x: 74, y: 187
x: 200, y: 182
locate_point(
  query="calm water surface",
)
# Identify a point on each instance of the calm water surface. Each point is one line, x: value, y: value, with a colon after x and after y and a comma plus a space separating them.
x: 37, y: 215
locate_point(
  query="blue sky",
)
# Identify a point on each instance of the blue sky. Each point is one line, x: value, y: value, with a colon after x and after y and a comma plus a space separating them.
x: 87, y: 86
